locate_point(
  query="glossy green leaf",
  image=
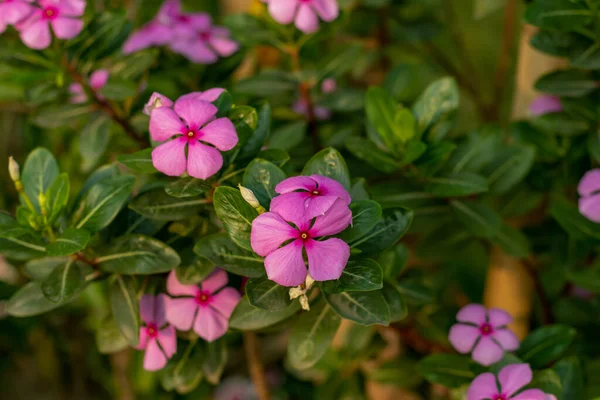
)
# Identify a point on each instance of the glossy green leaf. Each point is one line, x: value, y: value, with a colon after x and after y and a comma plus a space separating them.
x: 571, y: 220
x: 222, y: 251
x: 509, y: 167
x: 246, y: 317
x: 30, y: 300
x: 447, y: 369
x: 568, y: 83
x: 393, y: 224
x: 571, y: 375
x: 457, y: 184
x: 39, y: 268
x: 140, y: 161
x: 260, y: 134
x: 185, y: 372
x: 261, y: 177
x: 124, y: 307
x: 57, y: 197
x: 438, y: 102
x: 558, y: 14
x: 187, y: 187
x: 330, y: 163
x: 363, y: 275
x: 137, y: 254
x: 215, y: 359
x: 477, y: 217
x: 157, y: 204
x: 546, y: 344
x: 64, y: 281
x: 288, y: 136
x: 367, y: 151
x: 38, y: 174
x: 193, y: 268
x: 365, y: 308
x: 93, y: 140
x: 71, y: 241
x: 365, y: 215
x: 395, y: 302
x: 235, y: 214
x: 267, y: 295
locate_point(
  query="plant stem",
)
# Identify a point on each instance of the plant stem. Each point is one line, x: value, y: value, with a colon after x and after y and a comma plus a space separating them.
x: 257, y: 371
x: 506, y: 51
x: 541, y: 293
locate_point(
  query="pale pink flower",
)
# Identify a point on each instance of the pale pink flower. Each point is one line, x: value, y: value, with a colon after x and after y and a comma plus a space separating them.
x: 510, y: 380
x: 14, y: 11
x: 304, y: 13
x: 545, y: 104
x: 285, y: 265
x: 206, y: 44
x: 156, y: 336
x: 97, y: 81
x: 307, y: 196
x: 329, y: 85
x: 205, y: 308
x: 62, y: 15
x: 151, y: 34
x: 190, y: 125
x: 484, y: 332
x: 320, y: 113
x: 589, y: 192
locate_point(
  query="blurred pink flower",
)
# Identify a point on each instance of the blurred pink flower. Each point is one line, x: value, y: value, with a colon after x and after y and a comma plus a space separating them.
x: 13, y: 12
x: 510, y: 380
x: 62, y: 15
x: 190, y: 124
x: 545, y: 104
x: 321, y: 113
x: 97, y: 81
x: 158, y: 100
x: 206, y: 44
x: 304, y: 13
x: 156, y: 337
x: 235, y: 388
x: 484, y: 332
x: 206, y: 307
x: 329, y: 85
x: 589, y: 192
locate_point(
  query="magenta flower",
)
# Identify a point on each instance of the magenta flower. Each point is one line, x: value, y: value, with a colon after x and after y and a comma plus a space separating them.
x: 190, y: 124
x: 304, y: 13
x: 62, y: 15
x: 589, y: 192
x: 545, y: 104
x: 150, y: 35
x: 14, y: 11
x: 510, y: 379
x: 285, y: 265
x: 156, y: 337
x: 484, y: 332
x: 97, y: 81
x: 206, y: 308
x: 206, y: 44
x: 158, y: 100
x: 307, y: 196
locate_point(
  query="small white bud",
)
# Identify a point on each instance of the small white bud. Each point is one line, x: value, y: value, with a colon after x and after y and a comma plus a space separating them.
x: 250, y: 198
x: 13, y: 170
x: 296, y: 292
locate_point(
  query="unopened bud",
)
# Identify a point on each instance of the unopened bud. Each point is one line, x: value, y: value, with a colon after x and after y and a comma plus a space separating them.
x: 251, y: 199
x: 14, y: 170
x: 304, y: 302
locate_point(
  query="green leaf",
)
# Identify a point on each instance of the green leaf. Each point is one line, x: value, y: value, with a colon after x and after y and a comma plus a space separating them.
x: 438, y: 102
x: 363, y: 276
x: 187, y: 187
x: 393, y: 261
x: 312, y: 335
x: 558, y: 14
x: 561, y: 123
x: 223, y: 104
x: 571, y: 220
x: 571, y: 376
x: 344, y: 100
x: 64, y: 281
x: 367, y: 151
x: 478, y: 150
x: 267, y: 295
x: 457, y: 184
x: 10, y: 228
x: 267, y: 83
x: 512, y: 241
x: 276, y: 156
x: 59, y: 115
x: 330, y: 163
x: 193, y: 269
x: 483, y: 8
x: 235, y: 214
x: 19, y: 243
x: 124, y: 307
x: 365, y: 308
x: 546, y: 344
x: 109, y: 338
x: 588, y: 57
x: 509, y: 167
x: 447, y: 369
x: 71, y: 241
x: 220, y: 249
x: 157, y: 204
x: 339, y: 61
x: 57, y: 197
x: 389, y: 229
x: 415, y: 292
x: 102, y: 203
x: 138, y: 254
x: 103, y: 36
x: 477, y: 217
x: 93, y: 141
x: 260, y: 134
x: 118, y: 89
x: 39, y: 172
x: 246, y: 317
x: 568, y: 83
x: 365, y: 215
x: 288, y: 136
x: 547, y: 381
x: 185, y: 373
x: 261, y: 177
x: 40, y: 268
x: 29, y: 301
x: 138, y: 162
x: 215, y: 359
x: 395, y: 302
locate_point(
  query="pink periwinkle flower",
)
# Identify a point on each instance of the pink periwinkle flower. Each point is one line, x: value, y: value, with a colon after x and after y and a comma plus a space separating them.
x: 304, y: 13
x: 156, y: 336
x: 321, y: 113
x: 150, y: 35
x: 510, y: 380
x: 158, y: 100
x: 14, y: 11
x: 206, y: 44
x: 307, y: 197
x: 545, y: 104
x: 190, y: 124
x: 205, y: 308
x: 589, y: 192
x: 62, y: 15
x: 329, y: 85
x: 484, y: 332
x: 285, y: 265
x: 97, y: 81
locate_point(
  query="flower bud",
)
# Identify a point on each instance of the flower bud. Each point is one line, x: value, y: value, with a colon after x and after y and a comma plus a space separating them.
x: 251, y: 199
x: 14, y: 170
x: 304, y: 302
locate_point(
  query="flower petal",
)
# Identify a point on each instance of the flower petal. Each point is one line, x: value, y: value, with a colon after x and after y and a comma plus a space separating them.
x: 168, y: 340
x: 215, y: 281
x: 154, y: 359
x: 72, y: 8
x: 98, y: 79
x: 487, y: 352
x: 36, y: 35
x: 143, y: 339
x: 157, y: 100
x: 147, y: 308
x: 306, y: 19
x: 15, y: 12
x: 285, y: 266
x: 225, y: 301
x: 169, y: 157
x: 513, y: 377
x: 164, y: 123
x: 463, y: 337
x: 180, y: 313
x: 203, y: 161
x: 194, y: 112
x: 327, y: 9
x: 220, y: 133
x: 329, y: 85
x: 269, y: 231
x: 66, y: 28
x: 507, y: 339
x: 331, y: 187
x: 589, y: 183
x: 209, y: 95
x: 291, y: 206
x: 498, y: 317
x: 176, y: 288
x: 197, y: 52
x: 322, y: 113
x: 473, y: 313
x: 296, y: 183
x: 224, y: 47
x: 210, y: 325
x: 533, y: 394
x: 589, y: 207
x: 335, y: 219
x: 283, y: 11
x: 327, y: 259
x: 545, y: 104
x: 482, y: 387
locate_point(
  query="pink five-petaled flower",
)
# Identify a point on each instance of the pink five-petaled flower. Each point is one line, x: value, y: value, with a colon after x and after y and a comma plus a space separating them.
x: 158, y: 100
x: 156, y: 337
x: 484, y: 332
x: 314, y: 197
x: 545, y: 104
x: 191, y: 123
x: 13, y: 12
x: 285, y: 266
x: 61, y: 14
x: 511, y: 378
x: 589, y: 192
x: 206, y: 308
x: 97, y: 81
x: 304, y: 13
x: 206, y: 44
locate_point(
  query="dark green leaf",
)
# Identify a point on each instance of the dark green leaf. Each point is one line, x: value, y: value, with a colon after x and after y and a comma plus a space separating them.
x: 438, y: 102
x: 478, y: 218
x: 571, y: 376
x: 365, y: 215
x: 394, y: 125
x: 344, y: 100
x: 512, y: 241
x: 546, y: 344
x: 55, y: 116
x: 568, y: 83
x: 187, y: 187
x: 267, y: 83
x: 57, y: 197
x: 30, y: 301
x: 288, y: 136
x: 261, y: 177
x: 560, y: 123
x: 124, y: 306
x: 64, y: 282
x: 415, y: 292
x: 38, y: 174
x: 71, y: 241
x: 220, y: 249
x: 185, y: 373
x: 138, y: 162
x: 93, y: 141
x: 193, y: 269
x: 223, y: 104
x: 395, y: 302
x: 558, y: 14
x: 157, y: 204
x: 245, y: 317
x: 330, y: 163
x: 391, y: 227
x: 365, y: 308
x: 109, y: 338
x: 458, y: 184
x: 571, y: 220
x: 40, y: 268
x: 447, y: 369
x: 509, y: 167
x: 276, y: 156
x: 367, y: 151
x: 235, y: 214
x: 215, y: 359
x: 363, y: 275
x: 267, y: 295
x: 260, y: 134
